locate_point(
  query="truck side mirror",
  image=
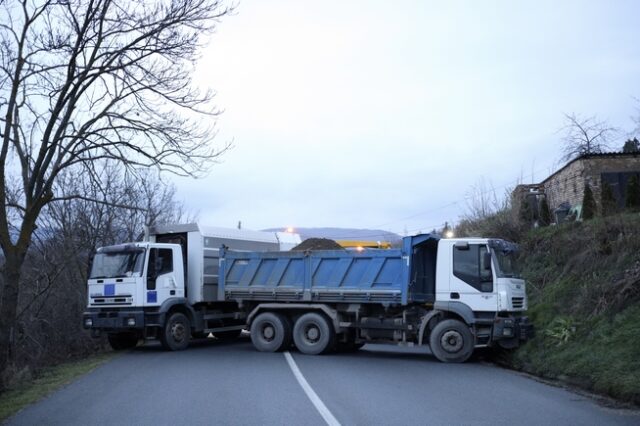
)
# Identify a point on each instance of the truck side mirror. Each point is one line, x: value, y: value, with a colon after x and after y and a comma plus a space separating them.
x: 90, y: 263
x: 151, y: 279
x: 152, y: 274
x: 158, y: 265
x: 152, y: 269
x: 486, y: 261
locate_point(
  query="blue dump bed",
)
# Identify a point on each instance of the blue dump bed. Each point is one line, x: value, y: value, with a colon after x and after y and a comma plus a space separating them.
x: 329, y: 276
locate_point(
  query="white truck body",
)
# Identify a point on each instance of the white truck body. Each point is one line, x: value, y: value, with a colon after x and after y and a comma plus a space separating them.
x: 202, y: 251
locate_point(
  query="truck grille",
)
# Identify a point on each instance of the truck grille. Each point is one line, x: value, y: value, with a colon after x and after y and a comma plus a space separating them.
x: 517, y: 302
x: 111, y: 300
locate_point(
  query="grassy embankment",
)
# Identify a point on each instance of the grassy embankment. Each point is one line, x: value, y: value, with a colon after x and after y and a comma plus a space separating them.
x: 584, y: 288
x: 45, y: 383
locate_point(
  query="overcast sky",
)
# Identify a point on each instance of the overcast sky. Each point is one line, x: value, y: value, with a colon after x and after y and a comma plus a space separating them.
x: 377, y: 114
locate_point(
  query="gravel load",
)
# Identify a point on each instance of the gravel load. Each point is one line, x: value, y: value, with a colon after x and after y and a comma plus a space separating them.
x: 317, y: 244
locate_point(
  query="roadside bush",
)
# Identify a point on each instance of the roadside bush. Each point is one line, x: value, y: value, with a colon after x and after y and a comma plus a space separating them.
x: 588, y: 203
x: 53, y: 293
x: 503, y: 224
x: 607, y: 200
x: 632, y: 194
x: 545, y: 213
x: 584, y: 291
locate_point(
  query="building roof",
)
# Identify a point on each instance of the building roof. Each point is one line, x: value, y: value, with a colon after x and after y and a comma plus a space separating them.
x: 590, y: 156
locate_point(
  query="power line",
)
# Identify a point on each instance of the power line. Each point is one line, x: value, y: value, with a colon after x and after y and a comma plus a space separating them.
x: 466, y: 198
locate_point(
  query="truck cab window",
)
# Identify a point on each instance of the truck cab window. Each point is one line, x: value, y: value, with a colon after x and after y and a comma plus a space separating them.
x: 160, y: 262
x: 469, y: 266
x: 167, y: 261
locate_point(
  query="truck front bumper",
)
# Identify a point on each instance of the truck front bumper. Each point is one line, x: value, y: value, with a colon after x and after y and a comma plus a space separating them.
x: 525, y: 329
x: 113, y: 321
x: 519, y: 328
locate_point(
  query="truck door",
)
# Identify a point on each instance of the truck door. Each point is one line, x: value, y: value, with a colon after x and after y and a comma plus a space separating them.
x: 161, y: 277
x: 181, y: 239
x: 472, y: 279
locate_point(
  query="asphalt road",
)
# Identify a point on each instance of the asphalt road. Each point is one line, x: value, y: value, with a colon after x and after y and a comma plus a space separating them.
x: 232, y: 384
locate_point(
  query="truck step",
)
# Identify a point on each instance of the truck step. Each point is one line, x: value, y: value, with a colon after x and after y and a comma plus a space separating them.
x: 219, y: 329
x: 230, y: 315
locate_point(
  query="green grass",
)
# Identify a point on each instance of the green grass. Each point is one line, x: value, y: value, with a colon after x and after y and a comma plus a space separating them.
x: 48, y: 381
x: 584, y: 288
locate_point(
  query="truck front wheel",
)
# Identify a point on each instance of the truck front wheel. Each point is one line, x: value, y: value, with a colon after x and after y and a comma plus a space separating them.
x: 451, y: 341
x: 271, y: 332
x: 176, y: 333
x: 313, y: 334
x: 121, y: 341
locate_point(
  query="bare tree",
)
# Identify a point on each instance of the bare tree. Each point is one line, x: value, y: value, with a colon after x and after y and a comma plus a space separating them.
x: 636, y: 119
x: 89, y: 80
x: 585, y: 136
x: 54, y: 272
x: 482, y: 201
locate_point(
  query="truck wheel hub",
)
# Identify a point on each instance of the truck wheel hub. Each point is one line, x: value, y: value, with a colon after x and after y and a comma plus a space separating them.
x: 177, y: 331
x: 451, y: 341
x: 313, y: 334
x: 268, y: 332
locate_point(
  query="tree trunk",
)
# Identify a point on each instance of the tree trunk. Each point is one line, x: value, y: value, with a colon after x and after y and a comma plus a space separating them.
x: 8, y: 310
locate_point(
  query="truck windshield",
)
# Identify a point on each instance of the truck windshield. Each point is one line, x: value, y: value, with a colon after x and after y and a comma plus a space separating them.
x: 507, y: 263
x: 117, y: 264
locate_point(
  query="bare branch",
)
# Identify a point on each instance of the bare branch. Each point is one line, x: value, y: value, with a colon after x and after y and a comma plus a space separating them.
x: 585, y: 136
x: 88, y: 85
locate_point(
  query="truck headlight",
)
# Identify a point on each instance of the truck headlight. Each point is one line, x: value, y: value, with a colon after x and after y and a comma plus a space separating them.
x: 507, y: 331
x: 88, y: 322
x: 131, y: 322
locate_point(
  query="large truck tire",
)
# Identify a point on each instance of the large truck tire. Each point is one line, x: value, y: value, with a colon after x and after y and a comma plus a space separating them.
x: 451, y: 341
x: 176, y: 332
x: 313, y: 334
x: 271, y: 332
x: 122, y: 341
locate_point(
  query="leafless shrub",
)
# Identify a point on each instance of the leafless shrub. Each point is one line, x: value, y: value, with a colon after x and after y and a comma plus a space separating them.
x: 86, y: 82
x: 585, y: 136
x: 53, y: 291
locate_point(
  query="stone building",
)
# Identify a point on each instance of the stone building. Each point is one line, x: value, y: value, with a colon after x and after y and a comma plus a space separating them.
x: 566, y: 186
x: 532, y: 194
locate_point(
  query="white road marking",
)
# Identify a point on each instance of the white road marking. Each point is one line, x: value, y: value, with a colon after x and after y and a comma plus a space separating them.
x: 315, y: 399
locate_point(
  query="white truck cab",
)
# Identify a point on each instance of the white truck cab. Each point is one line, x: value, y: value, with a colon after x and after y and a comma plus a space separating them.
x: 137, y: 274
x: 482, y: 273
x: 480, y: 279
x: 167, y: 286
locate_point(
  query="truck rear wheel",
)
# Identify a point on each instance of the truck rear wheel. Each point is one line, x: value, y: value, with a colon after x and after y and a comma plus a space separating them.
x: 176, y: 333
x: 313, y: 334
x: 271, y: 332
x: 451, y: 341
x: 121, y: 341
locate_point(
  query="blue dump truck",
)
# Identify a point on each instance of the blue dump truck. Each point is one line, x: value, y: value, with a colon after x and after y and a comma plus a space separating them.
x: 453, y: 295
